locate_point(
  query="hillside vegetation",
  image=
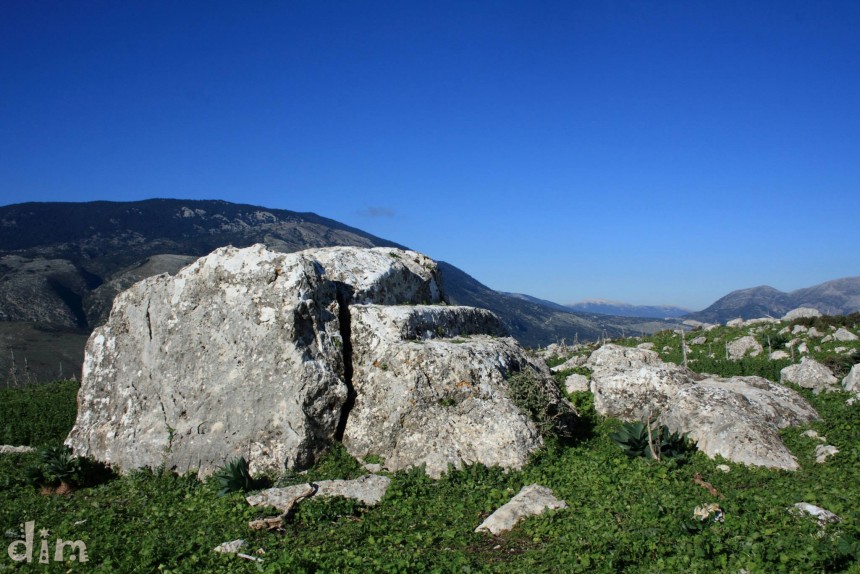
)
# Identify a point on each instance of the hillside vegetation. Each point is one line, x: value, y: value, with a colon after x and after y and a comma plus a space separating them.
x: 625, y: 514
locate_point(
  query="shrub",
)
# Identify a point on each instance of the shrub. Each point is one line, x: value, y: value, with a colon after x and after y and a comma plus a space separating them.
x: 530, y: 393
x: 650, y: 440
x: 235, y: 476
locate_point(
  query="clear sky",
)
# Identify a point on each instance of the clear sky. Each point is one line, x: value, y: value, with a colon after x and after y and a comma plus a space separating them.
x: 650, y: 152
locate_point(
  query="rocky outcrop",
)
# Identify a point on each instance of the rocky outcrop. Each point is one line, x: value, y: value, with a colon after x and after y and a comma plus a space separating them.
x: 274, y: 356
x: 737, y: 418
x: 739, y: 348
x: 441, y: 400
x: 809, y: 374
x: 801, y: 313
x: 531, y: 500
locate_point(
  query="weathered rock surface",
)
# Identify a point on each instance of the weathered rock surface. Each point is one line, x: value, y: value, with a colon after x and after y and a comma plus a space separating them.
x: 844, y: 335
x: 10, y: 449
x: 437, y: 401
x: 531, y: 500
x: 825, y: 451
x: 737, y: 418
x: 575, y: 383
x: 274, y: 356
x: 809, y: 374
x: 801, y: 313
x: 739, y: 348
x: 575, y: 361
x: 851, y: 381
x: 237, y: 354
x: 368, y: 490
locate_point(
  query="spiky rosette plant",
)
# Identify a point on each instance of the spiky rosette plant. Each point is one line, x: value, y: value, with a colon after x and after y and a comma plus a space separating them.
x: 650, y: 440
x: 235, y: 476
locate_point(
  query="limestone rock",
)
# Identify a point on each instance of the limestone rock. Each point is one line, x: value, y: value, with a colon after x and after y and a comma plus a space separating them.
x: 9, y: 449
x: 827, y: 339
x: 798, y: 329
x: 700, y: 340
x: 823, y: 516
x: 576, y: 383
x: 739, y: 348
x: 237, y: 354
x: 824, y: 451
x: 368, y: 490
x: 801, y: 313
x: 575, y: 361
x: 851, y: 382
x: 230, y: 547
x: 437, y: 401
x: 813, y: 332
x: 778, y: 355
x: 809, y: 374
x: 647, y: 346
x: 738, y: 418
x: 531, y: 500
x: 735, y: 322
x: 844, y: 335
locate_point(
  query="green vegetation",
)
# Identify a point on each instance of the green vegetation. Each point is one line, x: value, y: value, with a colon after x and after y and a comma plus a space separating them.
x: 235, y: 476
x: 626, y: 514
x: 650, y: 440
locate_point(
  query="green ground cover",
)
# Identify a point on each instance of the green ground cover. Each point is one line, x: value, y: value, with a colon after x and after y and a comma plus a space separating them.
x: 625, y: 514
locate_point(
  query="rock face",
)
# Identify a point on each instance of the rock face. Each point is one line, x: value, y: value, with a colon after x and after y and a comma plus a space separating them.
x: 274, y: 356
x: 237, y: 354
x: 809, y: 374
x: 531, y: 500
x: 737, y: 418
x: 437, y: 401
x: 739, y: 348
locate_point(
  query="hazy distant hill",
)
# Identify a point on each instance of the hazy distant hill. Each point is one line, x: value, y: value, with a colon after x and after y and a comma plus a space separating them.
x: 61, y: 264
x: 837, y: 297
x: 628, y: 310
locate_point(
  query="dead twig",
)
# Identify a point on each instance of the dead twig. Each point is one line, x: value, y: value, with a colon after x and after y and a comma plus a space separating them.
x: 697, y: 478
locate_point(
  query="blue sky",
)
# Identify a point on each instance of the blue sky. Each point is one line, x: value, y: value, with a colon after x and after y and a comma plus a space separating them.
x: 648, y: 152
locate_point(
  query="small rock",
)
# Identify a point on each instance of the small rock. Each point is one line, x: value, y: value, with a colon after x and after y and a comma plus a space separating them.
x: 844, y: 335
x: 372, y: 467
x: 814, y: 435
x: 777, y: 355
x: 851, y: 382
x: 9, y: 449
x: 368, y: 489
x: 230, y: 547
x: 743, y: 346
x: 813, y: 332
x: 824, y: 451
x: 798, y: 329
x: 827, y: 339
x: 784, y: 331
x: 532, y: 500
x: 699, y: 341
x: 724, y: 468
x: 575, y: 361
x: 575, y: 383
x: 803, y: 348
x: 824, y: 516
x: 841, y: 350
x: 646, y: 346
x: 735, y: 323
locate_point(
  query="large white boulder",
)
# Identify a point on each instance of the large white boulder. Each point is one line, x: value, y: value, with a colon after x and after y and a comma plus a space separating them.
x: 438, y: 397
x: 801, y: 313
x: 743, y: 346
x: 737, y: 418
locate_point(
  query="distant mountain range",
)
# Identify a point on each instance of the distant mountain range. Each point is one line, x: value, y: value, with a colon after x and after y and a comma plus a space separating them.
x: 837, y: 297
x: 628, y: 310
x: 61, y: 264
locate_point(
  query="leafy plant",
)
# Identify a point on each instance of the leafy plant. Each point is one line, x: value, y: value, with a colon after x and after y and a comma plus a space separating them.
x: 552, y: 415
x: 235, y: 476
x: 650, y: 440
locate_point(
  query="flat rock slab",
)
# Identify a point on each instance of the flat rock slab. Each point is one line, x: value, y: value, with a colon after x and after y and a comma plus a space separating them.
x: 9, y: 449
x: 531, y: 500
x: 368, y: 490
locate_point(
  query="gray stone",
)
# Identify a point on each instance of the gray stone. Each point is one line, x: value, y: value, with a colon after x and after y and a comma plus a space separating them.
x: 798, y: 329
x: 844, y: 335
x: 230, y: 547
x: 739, y: 348
x: 437, y: 401
x: 532, y: 500
x: 701, y: 340
x: 9, y: 449
x: 823, y: 516
x: 809, y: 374
x: 575, y: 361
x: 824, y: 451
x: 851, y: 381
x: 576, y: 383
x: 801, y: 313
x: 827, y: 339
x: 814, y: 435
x: 647, y: 346
x: 778, y: 355
x: 737, y: 418
x: 735, y: 322
x: 368, y: 490
x: 815, y: 333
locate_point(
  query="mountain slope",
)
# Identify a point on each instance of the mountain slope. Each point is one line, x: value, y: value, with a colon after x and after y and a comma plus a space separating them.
x: 628, y: 310
x: 61, y: 264
x: 837, y: 297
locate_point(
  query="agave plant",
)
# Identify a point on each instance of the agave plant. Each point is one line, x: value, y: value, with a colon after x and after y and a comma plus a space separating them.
x: 235, y: 476
x: 650, y: 440
x: 60, y: 466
